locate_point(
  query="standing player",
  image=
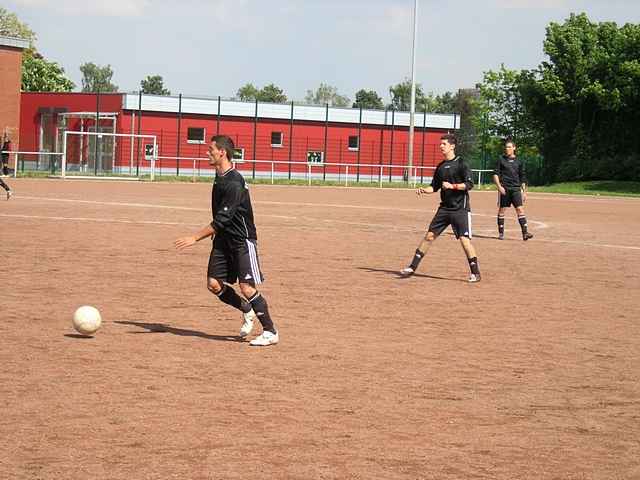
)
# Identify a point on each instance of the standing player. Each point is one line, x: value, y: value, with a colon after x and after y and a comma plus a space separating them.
x: 6, y: 147
x: 510, y: 178
x: 453, y: 178
x: 234, y: 255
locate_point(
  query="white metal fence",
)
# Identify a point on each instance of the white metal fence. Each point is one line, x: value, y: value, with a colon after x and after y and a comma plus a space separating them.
x: 342, y: 173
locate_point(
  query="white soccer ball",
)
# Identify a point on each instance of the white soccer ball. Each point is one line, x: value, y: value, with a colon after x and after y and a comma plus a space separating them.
x: 87, y: 320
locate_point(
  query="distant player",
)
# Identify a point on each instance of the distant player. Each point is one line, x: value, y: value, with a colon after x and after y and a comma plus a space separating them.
x: 234, y: 255
x: 7, y: 189
x: 6, y: 147
x: 509, y: 176
x: 453, y: 178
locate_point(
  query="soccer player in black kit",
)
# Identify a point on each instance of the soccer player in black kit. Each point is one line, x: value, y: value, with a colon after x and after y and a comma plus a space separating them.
x: 234, y: 255
x: 509, y: 176
x: 453, y: 178
x: 6, y: 147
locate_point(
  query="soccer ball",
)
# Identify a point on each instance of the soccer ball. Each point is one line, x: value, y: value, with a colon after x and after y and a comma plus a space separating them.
x: 87, y: 320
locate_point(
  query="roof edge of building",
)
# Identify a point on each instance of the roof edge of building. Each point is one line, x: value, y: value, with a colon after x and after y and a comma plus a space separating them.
x: 14, y: 42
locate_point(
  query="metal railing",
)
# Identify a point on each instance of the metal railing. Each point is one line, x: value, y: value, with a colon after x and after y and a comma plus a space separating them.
x: 342, y: 173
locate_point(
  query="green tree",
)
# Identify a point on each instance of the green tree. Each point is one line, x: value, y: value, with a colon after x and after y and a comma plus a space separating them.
x: 40, y: 75
x: 507, y: 116
x: 368, y: 99
x: 96, y: 78
x: 326, y: 94
x: 445, y: 103
x: 247, y: 93
x: 11, y: 26
x: 154, y: 85
x: 401, y: 96
x: 586, y: 98
x: 269, y: 94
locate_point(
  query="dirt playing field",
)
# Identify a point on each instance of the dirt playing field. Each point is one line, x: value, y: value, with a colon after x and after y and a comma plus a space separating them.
x: 534, y: 373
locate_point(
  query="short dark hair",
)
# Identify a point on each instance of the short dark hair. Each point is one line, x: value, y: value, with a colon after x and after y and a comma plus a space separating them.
x: 509, y: 140
x: 451, y: 138
x: 224, y: 142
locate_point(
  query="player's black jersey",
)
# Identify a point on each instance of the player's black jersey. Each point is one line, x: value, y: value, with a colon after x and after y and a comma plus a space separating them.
x: 511, y: 172
x: 453, y: 171
x: 231, y: 206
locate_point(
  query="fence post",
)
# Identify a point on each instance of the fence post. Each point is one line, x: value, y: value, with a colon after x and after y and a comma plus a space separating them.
x: 309, y: 173
x: 346, y: 176
x: 272, y: 173
x: 64, y: 154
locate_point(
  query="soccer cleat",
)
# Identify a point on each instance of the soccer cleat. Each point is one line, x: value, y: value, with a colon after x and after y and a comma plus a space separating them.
x: 265, y: 339
x: 9, y: 194
x: 527, y: 236
x: 247, y: 323
x: 407, y: 272
x: 501, y: 236
x: 474, y: 277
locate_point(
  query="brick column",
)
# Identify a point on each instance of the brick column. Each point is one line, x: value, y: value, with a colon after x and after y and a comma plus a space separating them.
x: 10, y: 83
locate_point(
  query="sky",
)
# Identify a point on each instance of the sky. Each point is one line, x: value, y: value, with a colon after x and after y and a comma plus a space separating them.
x: 213, y: 47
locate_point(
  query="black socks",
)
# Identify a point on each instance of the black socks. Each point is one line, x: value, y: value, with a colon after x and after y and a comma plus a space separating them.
x: 473, y: 265
x: 501, y: 225
x: 522, y: 220
x: 261, y: 308
x: 417, y: 258
x: 229, y: 296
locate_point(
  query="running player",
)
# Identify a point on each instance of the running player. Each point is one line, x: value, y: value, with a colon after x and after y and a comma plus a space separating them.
x: 453, y: 178
x: 234, y: 255
x: 7, y: 188
x: 6, y: 147
x: 509, y: 176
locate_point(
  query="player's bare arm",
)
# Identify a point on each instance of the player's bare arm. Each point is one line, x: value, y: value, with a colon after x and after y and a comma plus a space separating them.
x: 454, y: 186
x: 184, y: 242
x: 501, y: 189
x: 422, y: 191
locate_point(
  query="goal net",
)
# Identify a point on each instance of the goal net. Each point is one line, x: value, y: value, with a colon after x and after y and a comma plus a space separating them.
x: 108, y: 154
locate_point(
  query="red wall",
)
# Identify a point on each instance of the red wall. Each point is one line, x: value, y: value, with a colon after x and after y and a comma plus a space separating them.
x: 10, y: 81
x: 379, y: 145
x: 32, y: 102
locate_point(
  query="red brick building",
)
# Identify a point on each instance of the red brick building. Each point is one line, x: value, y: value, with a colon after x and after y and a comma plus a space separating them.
x: 10, y: 82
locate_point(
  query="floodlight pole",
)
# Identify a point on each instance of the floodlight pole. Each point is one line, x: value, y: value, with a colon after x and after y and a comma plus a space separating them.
x: 413, y: 91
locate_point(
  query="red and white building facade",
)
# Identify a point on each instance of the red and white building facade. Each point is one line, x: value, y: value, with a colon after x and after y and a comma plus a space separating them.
x: 269, y: 137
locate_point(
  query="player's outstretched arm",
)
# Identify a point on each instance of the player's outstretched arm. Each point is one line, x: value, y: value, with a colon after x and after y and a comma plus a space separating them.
x: 184, y: 242
x: 421, y: 191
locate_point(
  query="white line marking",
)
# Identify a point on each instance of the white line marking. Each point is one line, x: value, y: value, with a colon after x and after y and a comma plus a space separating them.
x: 360, y: 224
x: 540, y: 225
x: 97, y: 220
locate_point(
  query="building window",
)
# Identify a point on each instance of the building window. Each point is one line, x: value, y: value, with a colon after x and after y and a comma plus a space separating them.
x: 315, y: 157
x: 276, y: 139
x: 195, y: 135
x: 354, y: 142
x: 238, y: 155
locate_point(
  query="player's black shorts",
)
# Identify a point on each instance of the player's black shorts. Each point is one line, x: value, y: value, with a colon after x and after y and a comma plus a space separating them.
x: 235, y: 259
x: 511, y: 197
x: 460, y: 221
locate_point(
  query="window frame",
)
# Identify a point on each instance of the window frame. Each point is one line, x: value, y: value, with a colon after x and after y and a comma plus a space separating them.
x: 277, y: 145
x: 197, y: 142
x: 241, y: 159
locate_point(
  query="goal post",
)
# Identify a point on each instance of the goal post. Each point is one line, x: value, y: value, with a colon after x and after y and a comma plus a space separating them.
x: 103, y: 154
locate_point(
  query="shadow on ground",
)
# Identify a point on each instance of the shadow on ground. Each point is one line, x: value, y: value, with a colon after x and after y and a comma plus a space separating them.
x: 396, y: 274
x: 164, y: 328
